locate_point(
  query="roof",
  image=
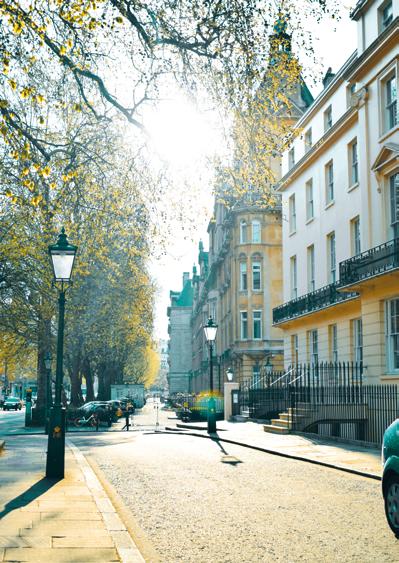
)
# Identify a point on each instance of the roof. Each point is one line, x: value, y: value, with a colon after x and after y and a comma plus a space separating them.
x: 186, y: 296
x: 357, y: 10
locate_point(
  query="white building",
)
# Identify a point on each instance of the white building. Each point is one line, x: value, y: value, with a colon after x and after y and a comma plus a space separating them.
x: 340, y: 190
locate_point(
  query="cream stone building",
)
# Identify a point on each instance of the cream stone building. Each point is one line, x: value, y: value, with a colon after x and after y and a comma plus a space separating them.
x: 238, y: 286
x: 340, y: 197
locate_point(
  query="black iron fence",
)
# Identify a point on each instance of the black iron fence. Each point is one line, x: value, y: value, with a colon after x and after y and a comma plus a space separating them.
x: 372, y: 262
x: 329, y: 399
x: 313, y: 301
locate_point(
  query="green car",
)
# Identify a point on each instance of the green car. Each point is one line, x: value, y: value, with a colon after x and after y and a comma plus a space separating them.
x: 12, y: 403
x: 390, y: 476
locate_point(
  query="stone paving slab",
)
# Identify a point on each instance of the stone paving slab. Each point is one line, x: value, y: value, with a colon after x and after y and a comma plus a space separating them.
x: 70, y: 520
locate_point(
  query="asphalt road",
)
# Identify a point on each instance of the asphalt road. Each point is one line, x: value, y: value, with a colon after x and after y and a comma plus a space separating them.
x: 11, y: 419
x: 195, y: 507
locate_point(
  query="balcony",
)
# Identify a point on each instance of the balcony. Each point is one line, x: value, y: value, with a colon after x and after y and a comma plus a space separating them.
x: 374, y: 262
x: 311, y: 302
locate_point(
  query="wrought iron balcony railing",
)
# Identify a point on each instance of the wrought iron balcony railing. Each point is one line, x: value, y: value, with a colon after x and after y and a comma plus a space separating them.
x: 313, y: 301
x: 374, y: 262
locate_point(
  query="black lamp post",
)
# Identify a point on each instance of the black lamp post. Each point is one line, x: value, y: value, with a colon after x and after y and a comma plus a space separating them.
x: 49, y: 399
x: 62, y: 258
x: 210, y: 334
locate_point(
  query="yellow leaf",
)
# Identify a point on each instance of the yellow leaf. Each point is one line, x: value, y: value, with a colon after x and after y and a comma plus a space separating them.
x: 17, y: 27
x: 62, y: 50
x: 13, y: 84
x: 25, y: 171
x: 46, y: 171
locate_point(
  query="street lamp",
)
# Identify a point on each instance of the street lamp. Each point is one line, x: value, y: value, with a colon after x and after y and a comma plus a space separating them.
x: 49, y: 399
x: 210, y: 331
x: 62, y: 256
x: 230, y: 375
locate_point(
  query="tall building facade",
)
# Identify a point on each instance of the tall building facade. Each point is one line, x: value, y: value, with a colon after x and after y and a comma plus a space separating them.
x: 340, y: 195
x: 180, y: 342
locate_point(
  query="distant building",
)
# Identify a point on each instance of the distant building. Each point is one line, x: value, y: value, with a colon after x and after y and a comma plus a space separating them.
x: 161, y: 381
x: 180, y: 346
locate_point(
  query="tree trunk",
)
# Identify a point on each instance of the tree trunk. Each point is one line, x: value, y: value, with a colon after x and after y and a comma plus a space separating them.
x: 43, y: 346
x: 87, y: 372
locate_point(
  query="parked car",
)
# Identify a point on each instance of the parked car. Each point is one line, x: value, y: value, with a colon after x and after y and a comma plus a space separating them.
x: 12, y: 403
x: 390, y: 476
x: 100, y: 408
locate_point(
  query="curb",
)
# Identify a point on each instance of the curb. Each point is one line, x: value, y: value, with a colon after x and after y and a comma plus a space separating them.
x: 285, y: 455
x: 124, y: 544
x: 144, y: 545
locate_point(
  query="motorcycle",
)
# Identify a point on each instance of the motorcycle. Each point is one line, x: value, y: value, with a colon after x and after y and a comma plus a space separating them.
x: 186, y: 415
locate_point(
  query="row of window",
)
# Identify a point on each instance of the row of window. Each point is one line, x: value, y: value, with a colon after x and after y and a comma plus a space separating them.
x: 256, y: 276
x: 256, y: 232
x: 329, y: 186
x: 391, y: 340
x: 256, y: 325
x: 312, y: 344
x: 388, y: 110
x: 331, y: 259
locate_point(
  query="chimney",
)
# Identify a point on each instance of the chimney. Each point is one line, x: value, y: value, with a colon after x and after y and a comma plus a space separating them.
x: 328, y: 77
x: 186, y: 277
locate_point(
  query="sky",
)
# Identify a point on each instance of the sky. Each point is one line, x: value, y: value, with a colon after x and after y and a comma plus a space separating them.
x: 185, y: 139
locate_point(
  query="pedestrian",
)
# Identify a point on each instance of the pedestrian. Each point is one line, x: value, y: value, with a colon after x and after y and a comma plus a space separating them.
x: 109, y: 418
x: 127, y: 421
x: 97, y: 420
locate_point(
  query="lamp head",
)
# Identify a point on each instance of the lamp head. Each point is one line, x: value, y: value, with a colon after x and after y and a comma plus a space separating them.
x: 210, y: 330
x: 62, y: 257
x: 229, y: 374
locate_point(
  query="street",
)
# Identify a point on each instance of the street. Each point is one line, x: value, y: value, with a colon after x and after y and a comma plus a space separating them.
x: 195, y: 507
x: 10, y: 420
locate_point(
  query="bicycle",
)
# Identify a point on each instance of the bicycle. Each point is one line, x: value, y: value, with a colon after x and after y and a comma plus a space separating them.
x: 90, y: 421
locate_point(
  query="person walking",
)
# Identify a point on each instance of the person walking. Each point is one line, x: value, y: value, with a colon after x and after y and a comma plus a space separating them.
x: 127, y: 421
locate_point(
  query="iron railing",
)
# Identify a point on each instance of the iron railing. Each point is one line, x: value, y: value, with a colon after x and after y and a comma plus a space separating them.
x: 353, y: 412
x: 265, y: 398
x: 313, y: 301
x: 373, y: 262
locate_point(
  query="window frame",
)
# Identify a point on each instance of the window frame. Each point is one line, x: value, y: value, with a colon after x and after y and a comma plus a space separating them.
x: 383, y: 21
x: 332, y: 257
x: 328, y: 120
x: 393, y: 187
x: 293, y: 277
x: 259, y: 321
x: 353, y: 163
x: 309, y: 200
x: 390, y: 354
x: 311, y: 268
x: 243, y: 325
x: 313, y: 341
x: 294, y: 349
x: 292, y: 214
x: 243, y: 276
x: 256, y: 223
x: 329, y: 182
x: 243, y: 232
x: 333, y: 340
x: 308, y: 140
x: 256, y: 263
x: 291, y: 158
x: 355, y: 236
x: 357, y: 340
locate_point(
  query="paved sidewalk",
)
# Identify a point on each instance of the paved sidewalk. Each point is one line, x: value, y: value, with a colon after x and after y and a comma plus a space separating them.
x: 71, y: 520
x: 347, y: 456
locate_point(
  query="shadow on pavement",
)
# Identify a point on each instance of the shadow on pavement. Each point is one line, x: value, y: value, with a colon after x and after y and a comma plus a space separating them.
x: 226, y: 457
x: 31, y: 494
